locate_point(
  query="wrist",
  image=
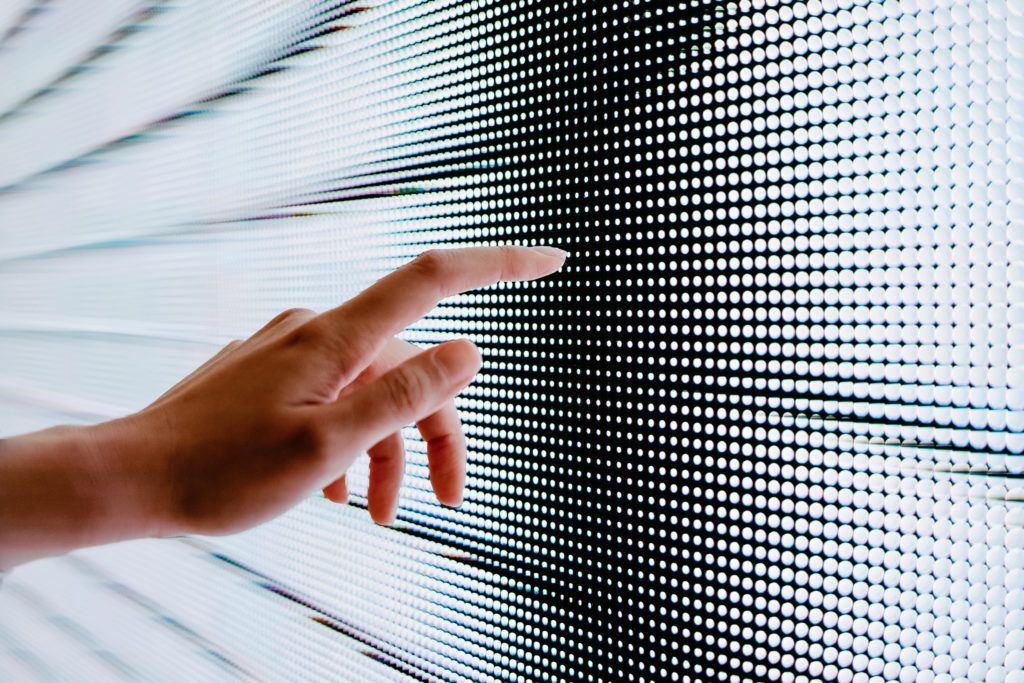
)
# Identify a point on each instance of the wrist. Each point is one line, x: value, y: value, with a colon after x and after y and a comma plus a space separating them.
x: 48, y: 502
x: 70, y: 487
x: 124, y: 464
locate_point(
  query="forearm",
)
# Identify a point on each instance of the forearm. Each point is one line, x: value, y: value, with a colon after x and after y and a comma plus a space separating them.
x: 66, y: 488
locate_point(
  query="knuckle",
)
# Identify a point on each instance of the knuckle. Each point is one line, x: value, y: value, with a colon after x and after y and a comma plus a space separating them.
x: 406, y: 390
x: 297, y: 313
x: 346, y: 342
x: 428, y: 259
x: 433, y: 267
x: 432, y: 263
x: 512, y: 267
x: 309, y: 333
x: 292, y: 314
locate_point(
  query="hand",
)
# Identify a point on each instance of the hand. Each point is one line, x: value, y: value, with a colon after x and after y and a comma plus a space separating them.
x: 270, y: 419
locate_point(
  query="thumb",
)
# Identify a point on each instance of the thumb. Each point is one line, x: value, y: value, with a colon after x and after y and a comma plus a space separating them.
x: 405, y: 394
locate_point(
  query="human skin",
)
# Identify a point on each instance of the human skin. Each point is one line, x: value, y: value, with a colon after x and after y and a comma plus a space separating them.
x: 265, y: 422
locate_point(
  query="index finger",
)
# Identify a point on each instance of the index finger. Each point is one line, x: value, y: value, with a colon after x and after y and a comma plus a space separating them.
x: 404, y: 296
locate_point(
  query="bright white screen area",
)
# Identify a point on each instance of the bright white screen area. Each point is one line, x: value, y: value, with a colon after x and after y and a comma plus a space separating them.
x: 766, y: 425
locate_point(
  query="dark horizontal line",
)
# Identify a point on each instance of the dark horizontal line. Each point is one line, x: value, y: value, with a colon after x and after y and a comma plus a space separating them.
x: 135, y: 23
x: 19, y: 25
x: 195, y: 108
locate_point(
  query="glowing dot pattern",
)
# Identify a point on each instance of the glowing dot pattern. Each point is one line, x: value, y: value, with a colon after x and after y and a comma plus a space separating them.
x: 765, y: 425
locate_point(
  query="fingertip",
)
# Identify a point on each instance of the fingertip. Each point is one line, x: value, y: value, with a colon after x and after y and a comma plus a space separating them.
x: 553, y: 252
x: 449, y: 490
x: 448, y: 475
x: 554, y: 259
x: 460, y: 358
x: 387, y: 467
x: 471, y: 350
x: 453, y: 500
x: 385, y: 517
x: 340, y: 499
x: 337, y: 492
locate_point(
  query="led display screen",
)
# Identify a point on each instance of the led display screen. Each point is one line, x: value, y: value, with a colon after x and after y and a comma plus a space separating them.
x: 765, y: 425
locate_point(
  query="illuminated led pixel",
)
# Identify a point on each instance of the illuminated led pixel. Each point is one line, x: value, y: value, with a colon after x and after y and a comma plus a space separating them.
x: 764, y: 426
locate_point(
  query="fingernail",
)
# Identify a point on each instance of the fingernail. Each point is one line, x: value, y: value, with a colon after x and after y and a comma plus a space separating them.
x: 552, y: 251
x: 386, y: 519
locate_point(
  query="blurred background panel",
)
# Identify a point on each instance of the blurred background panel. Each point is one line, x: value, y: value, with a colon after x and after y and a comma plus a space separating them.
x: 765, y: 425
